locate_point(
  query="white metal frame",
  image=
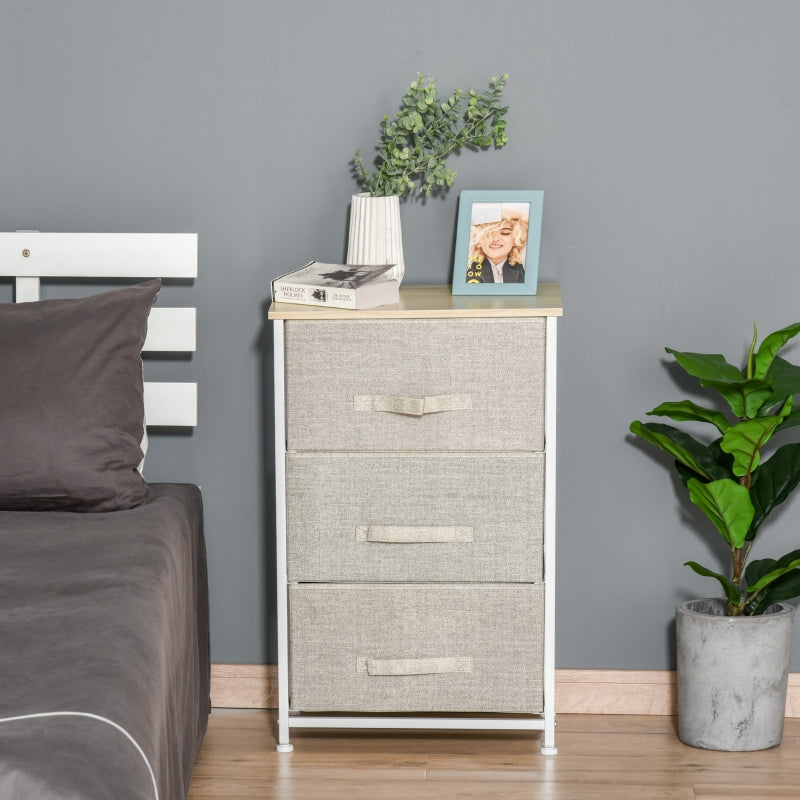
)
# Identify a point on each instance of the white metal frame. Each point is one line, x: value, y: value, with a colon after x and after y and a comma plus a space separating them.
x: 545, y: 722
x: 29, y: 256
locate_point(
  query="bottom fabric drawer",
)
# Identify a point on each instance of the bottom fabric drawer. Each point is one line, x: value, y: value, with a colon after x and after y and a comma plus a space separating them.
x: 416, y: 647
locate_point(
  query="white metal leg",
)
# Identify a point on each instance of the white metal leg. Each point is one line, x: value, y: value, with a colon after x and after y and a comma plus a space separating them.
x: 284, y: 745
x: 548, y: 745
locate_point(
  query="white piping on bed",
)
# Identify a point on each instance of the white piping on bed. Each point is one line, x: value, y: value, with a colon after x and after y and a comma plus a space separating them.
x: 100, y: 719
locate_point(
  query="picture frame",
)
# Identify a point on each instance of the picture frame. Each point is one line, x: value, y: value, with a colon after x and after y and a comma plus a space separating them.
x: 514, y: 245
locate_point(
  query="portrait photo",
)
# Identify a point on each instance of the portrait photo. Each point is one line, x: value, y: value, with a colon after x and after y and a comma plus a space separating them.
x: 497, y: 244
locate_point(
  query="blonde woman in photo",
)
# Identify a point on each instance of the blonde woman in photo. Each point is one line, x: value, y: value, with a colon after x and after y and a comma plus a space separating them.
x: 498, y: 237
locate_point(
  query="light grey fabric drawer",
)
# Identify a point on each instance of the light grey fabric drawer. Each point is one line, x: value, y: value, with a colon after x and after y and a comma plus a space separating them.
x: 416, y: 647
x: 455, y: 384
x: 414, y: 516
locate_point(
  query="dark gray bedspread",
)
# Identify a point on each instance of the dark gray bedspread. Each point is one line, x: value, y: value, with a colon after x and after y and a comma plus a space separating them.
x: 104, y: 664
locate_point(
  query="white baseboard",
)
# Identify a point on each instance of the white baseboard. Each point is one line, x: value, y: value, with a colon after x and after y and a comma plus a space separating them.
x: 578, y: 691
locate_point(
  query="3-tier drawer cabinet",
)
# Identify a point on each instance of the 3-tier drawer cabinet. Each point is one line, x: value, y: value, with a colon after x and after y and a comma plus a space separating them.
x: 415, y: 511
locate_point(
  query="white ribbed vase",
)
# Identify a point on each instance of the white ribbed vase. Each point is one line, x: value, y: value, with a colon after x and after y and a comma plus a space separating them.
x: 375, y: 233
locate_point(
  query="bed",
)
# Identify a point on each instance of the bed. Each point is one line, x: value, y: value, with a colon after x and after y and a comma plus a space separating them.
x: 104, y: 649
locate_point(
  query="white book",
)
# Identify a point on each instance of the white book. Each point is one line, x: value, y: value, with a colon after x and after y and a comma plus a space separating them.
x: 337, y: 285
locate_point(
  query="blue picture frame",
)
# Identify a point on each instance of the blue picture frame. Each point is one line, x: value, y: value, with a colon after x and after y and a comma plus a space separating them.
x: 479, y: 214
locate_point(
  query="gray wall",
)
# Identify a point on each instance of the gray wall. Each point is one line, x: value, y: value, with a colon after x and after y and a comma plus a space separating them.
x: 664, y: 135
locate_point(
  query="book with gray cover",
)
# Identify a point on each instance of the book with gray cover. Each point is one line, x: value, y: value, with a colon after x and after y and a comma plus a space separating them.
x: 354, y: 286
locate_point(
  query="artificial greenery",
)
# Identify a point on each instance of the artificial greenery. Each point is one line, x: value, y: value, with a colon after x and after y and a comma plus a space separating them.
x: 414, y: 146
x: 729, y: 478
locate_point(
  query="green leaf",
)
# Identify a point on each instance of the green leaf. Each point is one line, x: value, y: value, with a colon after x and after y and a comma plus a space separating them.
x: 706, y: 366
x: 732, y: 591
x: 785, y: 380
x: 687, y: 411
x: 727, y: 504
x: 773, y: 483
x: 718, y: 462
x: 744, y: 396
x: 745, y: 440
x: 790, y: 420
x: 787, y: 559
x: 786, y: 587
x: 750, y: 370
x: 680, y: 445
x: 769, y: 348
x: 758, y: 569
x: 769, y: 571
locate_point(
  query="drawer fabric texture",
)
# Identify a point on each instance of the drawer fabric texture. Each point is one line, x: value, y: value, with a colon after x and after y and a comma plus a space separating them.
x: 422, y: 385
x: 416, y: 647
x: 415, y: 516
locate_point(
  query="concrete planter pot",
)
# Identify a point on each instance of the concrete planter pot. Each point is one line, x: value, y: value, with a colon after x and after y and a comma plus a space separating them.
x: 732, y: 675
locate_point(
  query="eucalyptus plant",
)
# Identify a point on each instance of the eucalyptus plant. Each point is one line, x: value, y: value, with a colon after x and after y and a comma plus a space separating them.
x: 414, y: 147
x: 729, y: 478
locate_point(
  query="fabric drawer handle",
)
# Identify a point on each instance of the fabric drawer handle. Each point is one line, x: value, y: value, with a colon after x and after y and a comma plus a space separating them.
x: 412, y: 406
x: 412, y: 534
x: 413, y: 666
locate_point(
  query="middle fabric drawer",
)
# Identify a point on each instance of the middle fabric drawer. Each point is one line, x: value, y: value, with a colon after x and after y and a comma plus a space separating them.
x: 415, y: 516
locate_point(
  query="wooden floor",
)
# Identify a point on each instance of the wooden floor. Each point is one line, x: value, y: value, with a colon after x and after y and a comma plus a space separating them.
x: 600, y: 758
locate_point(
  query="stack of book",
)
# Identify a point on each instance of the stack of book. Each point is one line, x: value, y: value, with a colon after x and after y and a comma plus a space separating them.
x: 338, y: 285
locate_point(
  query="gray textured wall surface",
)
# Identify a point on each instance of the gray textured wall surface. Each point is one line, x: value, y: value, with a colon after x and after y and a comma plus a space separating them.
x: 664, y: 135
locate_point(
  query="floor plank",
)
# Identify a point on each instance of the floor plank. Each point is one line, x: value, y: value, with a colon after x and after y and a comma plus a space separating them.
x: 601, y: 757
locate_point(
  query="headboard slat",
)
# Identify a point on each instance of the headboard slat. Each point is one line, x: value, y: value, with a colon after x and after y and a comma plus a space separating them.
x: 98, y: 255
x: 170, y: 404
x: 26, y: 289
x: 171, y: 330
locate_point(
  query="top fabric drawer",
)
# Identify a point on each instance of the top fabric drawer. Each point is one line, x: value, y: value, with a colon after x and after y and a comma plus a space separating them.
x: 429, y: 384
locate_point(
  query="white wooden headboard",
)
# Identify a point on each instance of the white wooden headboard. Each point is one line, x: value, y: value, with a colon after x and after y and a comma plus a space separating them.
x: 29, y: 256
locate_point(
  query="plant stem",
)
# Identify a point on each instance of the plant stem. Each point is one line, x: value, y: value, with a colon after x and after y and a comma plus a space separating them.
x: 739, y: 556
x: 739, y: 560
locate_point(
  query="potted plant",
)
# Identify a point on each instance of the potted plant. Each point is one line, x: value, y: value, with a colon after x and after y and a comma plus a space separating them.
x: 733, y: 652
x: 411, y: 159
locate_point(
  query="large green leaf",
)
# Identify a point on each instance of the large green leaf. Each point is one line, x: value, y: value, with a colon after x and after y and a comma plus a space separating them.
x: 745, y: 440
x: 727, y: 504
x: 773, y: 483
x: 787, y: 587
x: 707, y: 366
x: 790, y: 420
x: 744, y: 396
x: 778, y: 570
x: 687, y: 411
x: 680, y: 445
x: 718, y: 463
x: 788, y: 559
x: 770, y: 581
x: 785, y: 379
x: 758, y: 569
x: 732, y: 591
x: 769, y: 349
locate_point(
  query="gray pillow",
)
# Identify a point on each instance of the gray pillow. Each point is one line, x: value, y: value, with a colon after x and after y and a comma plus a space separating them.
x: 71, y: 401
